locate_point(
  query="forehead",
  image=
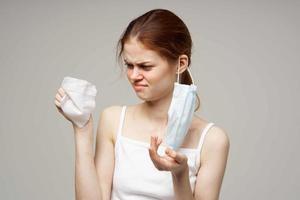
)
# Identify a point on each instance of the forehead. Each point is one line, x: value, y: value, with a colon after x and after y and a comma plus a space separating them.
x: 136, y: 52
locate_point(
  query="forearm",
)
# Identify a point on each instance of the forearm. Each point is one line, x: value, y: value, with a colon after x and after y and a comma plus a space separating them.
x: 86, y: 179
x: 182, y: 187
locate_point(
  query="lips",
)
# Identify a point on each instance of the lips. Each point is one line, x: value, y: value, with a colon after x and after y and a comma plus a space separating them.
x: 139, y: 86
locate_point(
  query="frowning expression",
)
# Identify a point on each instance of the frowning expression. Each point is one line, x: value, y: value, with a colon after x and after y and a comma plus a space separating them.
x: 150, y: 75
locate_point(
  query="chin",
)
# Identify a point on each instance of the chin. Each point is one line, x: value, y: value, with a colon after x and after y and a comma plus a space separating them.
x: 146, y: 98
x: 143, y: 97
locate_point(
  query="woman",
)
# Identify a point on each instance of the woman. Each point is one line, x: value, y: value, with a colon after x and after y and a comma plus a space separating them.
x: 131, y: 159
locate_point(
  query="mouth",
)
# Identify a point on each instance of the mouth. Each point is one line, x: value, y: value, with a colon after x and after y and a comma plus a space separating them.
x: 139, y: 87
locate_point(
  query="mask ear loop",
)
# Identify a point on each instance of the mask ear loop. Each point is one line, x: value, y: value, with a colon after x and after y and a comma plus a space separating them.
x: 190, y: 75
x: 177, y: 80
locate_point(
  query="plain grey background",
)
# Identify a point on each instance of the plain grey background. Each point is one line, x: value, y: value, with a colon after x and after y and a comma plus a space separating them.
x: 245, y: 63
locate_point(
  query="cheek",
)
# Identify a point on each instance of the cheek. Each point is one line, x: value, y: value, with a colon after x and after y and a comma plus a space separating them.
x: 162, y: 84
x: 128, y: 73
x: 160, y: 75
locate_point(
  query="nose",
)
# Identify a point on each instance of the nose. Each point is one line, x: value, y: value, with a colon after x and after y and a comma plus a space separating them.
x: 136, y: 74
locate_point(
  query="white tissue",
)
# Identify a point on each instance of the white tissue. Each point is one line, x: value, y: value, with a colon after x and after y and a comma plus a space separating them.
x: 79, y: 101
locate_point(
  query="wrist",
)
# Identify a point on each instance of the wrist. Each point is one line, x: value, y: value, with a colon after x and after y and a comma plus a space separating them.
x: 84, y: 135
x: 87, y: 126
x: 84, y: 145
x: 182, y: 173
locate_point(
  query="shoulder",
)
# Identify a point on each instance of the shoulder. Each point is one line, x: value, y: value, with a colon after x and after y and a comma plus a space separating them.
x: 113, y: 113
x: 215, y: 135
x: 217, y: 143
x: 109, y: 114
x: 216, y: 139
x: 111, y: 110
x: 218, y: 136
x: 109, y: 119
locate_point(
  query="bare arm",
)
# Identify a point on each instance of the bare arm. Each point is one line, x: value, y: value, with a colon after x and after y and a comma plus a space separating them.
x: 211, y: 172
x: 86, y: 182
x: 95, y: 172
x: 214, y: 156
x: 104, y: 153
x: 182, y: 187
x: 213, y: 162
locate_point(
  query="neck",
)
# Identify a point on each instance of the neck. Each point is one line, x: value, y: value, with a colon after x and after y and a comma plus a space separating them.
x: 157, y: 111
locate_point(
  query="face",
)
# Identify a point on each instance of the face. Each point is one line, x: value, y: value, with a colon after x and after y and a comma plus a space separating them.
x: 150, y: 75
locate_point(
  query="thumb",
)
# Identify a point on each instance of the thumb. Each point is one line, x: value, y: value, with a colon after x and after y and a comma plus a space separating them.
x: 179, y: 157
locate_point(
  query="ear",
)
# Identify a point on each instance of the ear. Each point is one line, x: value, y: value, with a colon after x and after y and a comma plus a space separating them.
x: 182, y: 64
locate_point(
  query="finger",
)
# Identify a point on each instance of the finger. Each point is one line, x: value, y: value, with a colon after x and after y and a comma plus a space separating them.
x: 155, y: 157
x: 170, y: 159
x: 176, y: 155
x: 180, y: 158
x: 170, y: 152
x: 160, y: 162
x: 154, y: 142
x: 58, y: 97
x: 57, y: 103
x: 61, y: 91
x: 168, y: 163
x: 159, y: 141
x: 153, y: 148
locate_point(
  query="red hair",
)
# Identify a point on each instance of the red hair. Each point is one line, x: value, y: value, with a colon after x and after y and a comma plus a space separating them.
x: 164, y: 32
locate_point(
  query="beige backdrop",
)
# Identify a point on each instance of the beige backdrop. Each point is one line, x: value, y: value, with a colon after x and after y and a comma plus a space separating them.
x: 245, y: 64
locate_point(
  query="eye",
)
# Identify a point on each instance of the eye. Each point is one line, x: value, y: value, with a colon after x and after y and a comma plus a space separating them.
x: 146, y: 67
x: 129, y: 66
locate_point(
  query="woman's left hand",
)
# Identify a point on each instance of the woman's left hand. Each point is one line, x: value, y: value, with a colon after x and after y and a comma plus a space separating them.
x: 172, y: 161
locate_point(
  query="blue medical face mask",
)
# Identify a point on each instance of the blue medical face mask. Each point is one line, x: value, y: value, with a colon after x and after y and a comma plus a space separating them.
x: 180, y: 113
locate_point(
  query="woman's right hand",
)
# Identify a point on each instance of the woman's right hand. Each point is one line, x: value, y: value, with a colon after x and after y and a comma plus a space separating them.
x: 58, y: 97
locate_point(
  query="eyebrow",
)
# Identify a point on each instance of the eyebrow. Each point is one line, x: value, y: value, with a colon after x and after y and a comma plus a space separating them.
x: 141, y: 63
